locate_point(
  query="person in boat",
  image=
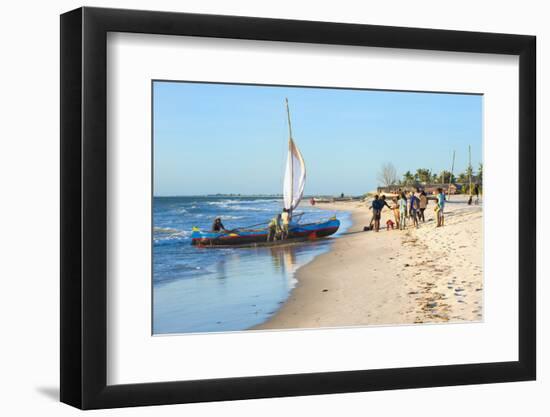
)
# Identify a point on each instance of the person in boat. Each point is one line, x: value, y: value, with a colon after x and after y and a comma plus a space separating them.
x: 274, y: 228
x: 218, y: 226
x: 285, y: 219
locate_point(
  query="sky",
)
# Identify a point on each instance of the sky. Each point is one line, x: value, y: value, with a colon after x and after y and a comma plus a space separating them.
x: 225, y: 138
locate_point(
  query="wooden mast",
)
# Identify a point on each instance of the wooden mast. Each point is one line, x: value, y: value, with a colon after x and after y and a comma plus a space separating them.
x: 291, y: 156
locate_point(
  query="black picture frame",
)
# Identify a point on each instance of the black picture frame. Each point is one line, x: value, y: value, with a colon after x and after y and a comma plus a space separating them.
x: 84, y: 207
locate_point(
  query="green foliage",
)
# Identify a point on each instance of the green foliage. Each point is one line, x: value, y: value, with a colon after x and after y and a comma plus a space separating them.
x: 423, y: 175
x: 408, y: 178
x: 476, y: 178
x: 480, y: 173
x: 469, y: 171
x: 462, y: 177
x: 445, y: 176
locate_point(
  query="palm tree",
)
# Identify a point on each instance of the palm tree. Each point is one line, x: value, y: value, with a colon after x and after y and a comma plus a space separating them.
x: 480, y: 173
x: 445, y: 177
x: 469, y: 172
x: 408, y: 178
x: 423, y: 175
x: 463, y: 177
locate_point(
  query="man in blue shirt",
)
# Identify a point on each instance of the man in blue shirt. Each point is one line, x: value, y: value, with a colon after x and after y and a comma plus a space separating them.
x: 376, y: 207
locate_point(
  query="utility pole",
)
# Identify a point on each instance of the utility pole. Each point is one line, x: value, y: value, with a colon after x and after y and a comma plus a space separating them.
x: 451, y: 176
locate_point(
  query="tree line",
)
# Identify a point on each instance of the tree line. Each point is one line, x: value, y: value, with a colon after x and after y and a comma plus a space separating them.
x: 388, y: 176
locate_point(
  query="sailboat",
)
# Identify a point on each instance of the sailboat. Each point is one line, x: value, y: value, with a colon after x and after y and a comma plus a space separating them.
x: 293, y: 191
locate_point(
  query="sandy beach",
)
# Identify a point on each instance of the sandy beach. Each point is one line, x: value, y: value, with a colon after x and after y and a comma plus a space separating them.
x: 424, y: 275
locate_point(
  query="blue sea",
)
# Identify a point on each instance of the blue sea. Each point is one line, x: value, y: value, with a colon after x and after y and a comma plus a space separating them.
x: 230, y: 289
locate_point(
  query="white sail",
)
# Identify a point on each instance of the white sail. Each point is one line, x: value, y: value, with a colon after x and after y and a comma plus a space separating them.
x: 295, y: 177
x: 295, y: 172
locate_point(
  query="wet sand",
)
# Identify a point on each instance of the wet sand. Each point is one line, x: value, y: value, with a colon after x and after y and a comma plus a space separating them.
x: 424, y: 275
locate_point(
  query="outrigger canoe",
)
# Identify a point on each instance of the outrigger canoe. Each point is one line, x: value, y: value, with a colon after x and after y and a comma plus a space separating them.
x: 293, y: 191
x: 258, y: 237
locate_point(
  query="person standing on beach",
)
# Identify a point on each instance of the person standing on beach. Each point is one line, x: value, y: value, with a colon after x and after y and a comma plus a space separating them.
x: 476, y: 192
x: 395, y: 209
x: 413, y: 209
x: 285, y: 217
x: 274, y: 228
x: 423, y: 203
x: 377, y: 205
x: 440, y: 207
x: 402, y: 211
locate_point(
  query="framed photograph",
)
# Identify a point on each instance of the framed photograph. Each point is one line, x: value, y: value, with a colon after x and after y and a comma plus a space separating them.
x: 259, y: 208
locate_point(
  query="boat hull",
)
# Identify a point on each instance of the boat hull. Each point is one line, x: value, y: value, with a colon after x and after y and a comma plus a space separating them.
x: 258, y: 237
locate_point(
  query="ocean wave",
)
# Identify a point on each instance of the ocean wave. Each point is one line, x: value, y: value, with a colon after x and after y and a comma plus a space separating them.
x: 158, y: 229
x: 179, y: 271
x: 170, y: 241
x: 260, y: 200
x: 221, y: 202
x: 245, y: 208
x: 227, y: 203
x: 167, y: 235
x: 177, y: 210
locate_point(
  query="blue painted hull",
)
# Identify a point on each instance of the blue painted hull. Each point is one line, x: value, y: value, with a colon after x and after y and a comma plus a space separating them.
x: 255, y: 237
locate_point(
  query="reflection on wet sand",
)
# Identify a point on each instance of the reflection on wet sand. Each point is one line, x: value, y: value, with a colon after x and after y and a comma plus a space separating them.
x: 283, y: 259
